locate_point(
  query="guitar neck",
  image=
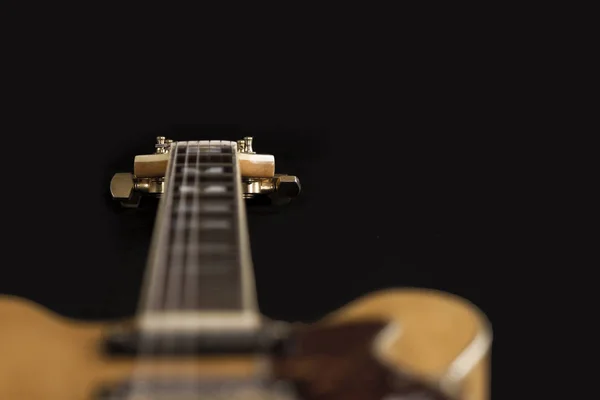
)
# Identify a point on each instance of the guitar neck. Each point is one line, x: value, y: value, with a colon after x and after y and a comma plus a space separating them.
x: 200, y: 263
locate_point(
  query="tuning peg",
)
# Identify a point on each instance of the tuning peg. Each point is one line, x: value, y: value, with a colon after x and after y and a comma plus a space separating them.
x: 245, y: 145
x: 163, y: 145
x: 122, y: 188
x: 287, y: 185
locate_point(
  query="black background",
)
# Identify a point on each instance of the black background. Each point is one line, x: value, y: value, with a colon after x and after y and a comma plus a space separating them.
x: 376, y: 211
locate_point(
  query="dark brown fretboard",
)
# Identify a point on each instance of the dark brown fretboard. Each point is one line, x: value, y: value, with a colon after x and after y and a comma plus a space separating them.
x: 200, y: 257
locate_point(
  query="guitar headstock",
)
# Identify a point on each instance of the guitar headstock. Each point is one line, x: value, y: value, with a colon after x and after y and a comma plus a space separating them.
x: 258, y: 177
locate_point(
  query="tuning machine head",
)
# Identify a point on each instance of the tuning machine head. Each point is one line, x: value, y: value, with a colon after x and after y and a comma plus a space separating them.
x: 122, y: 188
x: 287, y: 185
x: 257, y: 171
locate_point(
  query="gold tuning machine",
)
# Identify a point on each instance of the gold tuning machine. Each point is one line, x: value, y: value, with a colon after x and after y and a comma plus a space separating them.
x: 162, y: 145
x: 257, y: 172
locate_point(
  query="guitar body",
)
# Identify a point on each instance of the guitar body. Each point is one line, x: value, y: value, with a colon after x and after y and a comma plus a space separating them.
x: 361, y: 351
x: 198, y: 333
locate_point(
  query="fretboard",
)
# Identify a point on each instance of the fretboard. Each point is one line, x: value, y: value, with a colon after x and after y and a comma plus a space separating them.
x: 200, y: 256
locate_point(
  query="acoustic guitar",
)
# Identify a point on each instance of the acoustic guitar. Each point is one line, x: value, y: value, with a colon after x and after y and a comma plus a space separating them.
x: 198, y: 333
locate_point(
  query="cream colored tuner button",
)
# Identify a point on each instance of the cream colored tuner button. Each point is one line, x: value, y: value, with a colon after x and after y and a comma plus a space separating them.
x: 122, y: 188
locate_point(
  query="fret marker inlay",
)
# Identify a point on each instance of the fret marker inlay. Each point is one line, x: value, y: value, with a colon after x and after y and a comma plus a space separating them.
x: 215, y: 189
x: 214, y: 223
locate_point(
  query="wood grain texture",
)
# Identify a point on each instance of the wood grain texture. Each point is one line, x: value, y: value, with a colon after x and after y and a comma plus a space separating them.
x: 43, y: 356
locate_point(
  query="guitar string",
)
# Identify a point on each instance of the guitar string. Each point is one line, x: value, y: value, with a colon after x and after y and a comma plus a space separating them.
x: 191, y: 284
x: 176, y: 279
x: 171, y: 294
x: 178, y: 256
x: 193, y: 279
x: 172, y: 297
x: 193, y: 261
x: 147, y: 345
x: 181, y: 264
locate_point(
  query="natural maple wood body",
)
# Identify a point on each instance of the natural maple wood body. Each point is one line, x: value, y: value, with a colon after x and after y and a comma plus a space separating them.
x: 45, y: 356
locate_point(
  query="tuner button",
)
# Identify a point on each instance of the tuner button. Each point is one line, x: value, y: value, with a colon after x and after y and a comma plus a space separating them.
x: 121, y: 186
x: 288, y: 185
